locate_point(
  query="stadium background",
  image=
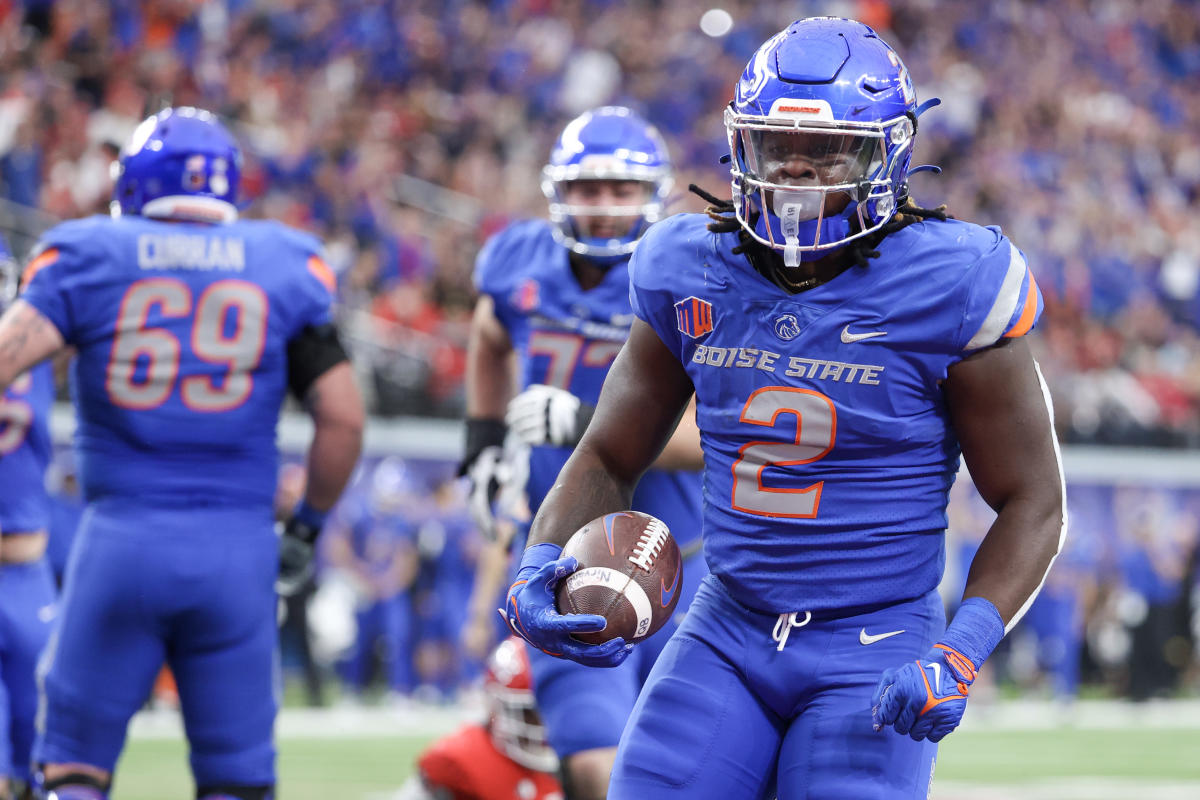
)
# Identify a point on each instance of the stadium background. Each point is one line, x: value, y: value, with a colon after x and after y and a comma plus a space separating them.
x: 406, y: 132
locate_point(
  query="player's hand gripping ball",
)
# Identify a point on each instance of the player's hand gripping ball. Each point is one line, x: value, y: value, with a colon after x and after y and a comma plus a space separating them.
x: 630, y: 573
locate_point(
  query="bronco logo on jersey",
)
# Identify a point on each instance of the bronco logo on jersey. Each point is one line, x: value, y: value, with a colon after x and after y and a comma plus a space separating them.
x: 787, y: 327
x: 693, y: 316
x: 525, y: 296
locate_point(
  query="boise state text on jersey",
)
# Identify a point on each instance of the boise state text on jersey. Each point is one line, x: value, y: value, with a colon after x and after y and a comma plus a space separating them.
x: 25, y: 451
x: 568, y: 338
x: 828, y: 447
x: 145, y: 302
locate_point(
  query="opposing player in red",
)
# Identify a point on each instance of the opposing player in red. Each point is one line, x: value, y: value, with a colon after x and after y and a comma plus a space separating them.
x: 505, y: 758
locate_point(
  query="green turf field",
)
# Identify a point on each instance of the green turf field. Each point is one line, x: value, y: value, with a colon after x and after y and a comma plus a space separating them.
x: 1057, y: 763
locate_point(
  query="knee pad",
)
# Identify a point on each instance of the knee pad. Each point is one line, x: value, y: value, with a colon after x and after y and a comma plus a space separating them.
x: 232, y: 792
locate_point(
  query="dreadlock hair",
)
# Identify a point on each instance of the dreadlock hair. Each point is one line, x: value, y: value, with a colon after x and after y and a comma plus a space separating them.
x: 724, y: 220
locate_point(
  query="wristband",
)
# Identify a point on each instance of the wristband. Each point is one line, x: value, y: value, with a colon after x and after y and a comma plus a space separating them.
x: 481, y: 434
x: 309, y: 517
x: 535, y: 556
x: 975, y: 631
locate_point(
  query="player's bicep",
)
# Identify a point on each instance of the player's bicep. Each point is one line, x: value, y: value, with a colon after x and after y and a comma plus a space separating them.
x: 333, y: 399
x: 644, y: 394
x: 26, y: 338
x: 489, y: 363
x: 1002, y: 416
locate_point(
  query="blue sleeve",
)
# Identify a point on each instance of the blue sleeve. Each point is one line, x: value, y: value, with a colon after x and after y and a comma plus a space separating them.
x: 653, y: 301
x: 494, y: 270
x: 56, y: 274
x: 1002, y: 298
x: 308, y: 295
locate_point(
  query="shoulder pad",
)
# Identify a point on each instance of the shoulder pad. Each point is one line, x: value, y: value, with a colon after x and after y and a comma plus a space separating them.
x: 505, y: 255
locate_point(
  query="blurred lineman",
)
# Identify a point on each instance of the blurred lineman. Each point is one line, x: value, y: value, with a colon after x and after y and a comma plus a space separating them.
x: 372, y: 540
x: 845, y: 346
x: 506, y: 758
x: 557, y: 294
x: 27, y: 590
x: 189, y: 326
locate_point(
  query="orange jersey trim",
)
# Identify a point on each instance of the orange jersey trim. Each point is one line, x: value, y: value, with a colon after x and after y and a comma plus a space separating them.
x: 323, y: 273
x: 1027, y: 313
x: 38, y: 264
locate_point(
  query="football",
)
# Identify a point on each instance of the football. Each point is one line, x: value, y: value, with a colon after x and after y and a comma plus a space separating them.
x: 630, y: 571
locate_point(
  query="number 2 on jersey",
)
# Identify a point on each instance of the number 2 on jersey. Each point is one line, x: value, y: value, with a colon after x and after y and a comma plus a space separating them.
x: 816, y: 431
x: 227, y: 303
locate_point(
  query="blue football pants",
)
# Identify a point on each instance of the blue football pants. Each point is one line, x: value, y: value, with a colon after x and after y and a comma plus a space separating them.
x: 27, y: 609
x: 727, y: 714
x: 191, y: 586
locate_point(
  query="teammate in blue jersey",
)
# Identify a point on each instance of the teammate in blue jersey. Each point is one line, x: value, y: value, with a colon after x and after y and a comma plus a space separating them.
x: 557, y: 295
x: 189, y: 327
x: 845, y: 347
x: 27, y: 590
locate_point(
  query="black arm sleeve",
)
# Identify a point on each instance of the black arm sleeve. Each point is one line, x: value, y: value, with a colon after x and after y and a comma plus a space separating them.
x: 312, y: 353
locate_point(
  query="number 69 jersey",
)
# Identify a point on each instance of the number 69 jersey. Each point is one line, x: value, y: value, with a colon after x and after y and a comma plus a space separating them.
x: 181, y: 332
x: 828, y: 448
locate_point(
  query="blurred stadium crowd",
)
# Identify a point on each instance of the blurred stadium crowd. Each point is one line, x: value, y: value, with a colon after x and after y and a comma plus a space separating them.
x: 405, y: 132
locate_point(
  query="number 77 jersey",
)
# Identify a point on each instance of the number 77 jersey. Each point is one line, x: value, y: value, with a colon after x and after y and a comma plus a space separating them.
x: 828, y: 448
x: 181, y: 332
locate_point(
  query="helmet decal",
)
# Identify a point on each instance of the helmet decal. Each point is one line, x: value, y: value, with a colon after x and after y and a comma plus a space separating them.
x: 180, y: 163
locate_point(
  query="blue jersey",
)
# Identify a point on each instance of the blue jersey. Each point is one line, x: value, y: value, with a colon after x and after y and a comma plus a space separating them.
x: 376, y: 536
x: 567, y: 338
x: 181, y: 332
x: 25, y: 450
x: 828, y: 448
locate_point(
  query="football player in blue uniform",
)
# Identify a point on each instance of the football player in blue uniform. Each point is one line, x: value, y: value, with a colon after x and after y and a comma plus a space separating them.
x: 189, y: 325
x: 557, y: 295
x: 845, y: 347
x: 27, y: 589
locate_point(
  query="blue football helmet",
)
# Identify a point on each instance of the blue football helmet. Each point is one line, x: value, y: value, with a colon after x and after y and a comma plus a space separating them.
x: 821, y: 132
x: 607, y: 143
x: 179, y: 164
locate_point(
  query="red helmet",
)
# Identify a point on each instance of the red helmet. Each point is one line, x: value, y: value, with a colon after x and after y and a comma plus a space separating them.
x: 515, y: 725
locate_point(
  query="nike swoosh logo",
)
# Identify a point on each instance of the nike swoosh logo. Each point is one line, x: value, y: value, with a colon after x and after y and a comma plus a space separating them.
x: 665, y: 594
x: 867, y: 638
x: 937, y: 675
x: 608, y: 529
x: 851, y: 338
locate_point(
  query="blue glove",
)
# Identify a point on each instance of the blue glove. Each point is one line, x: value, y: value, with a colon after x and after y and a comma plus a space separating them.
x: 926, y: 698
x: 532, y: 615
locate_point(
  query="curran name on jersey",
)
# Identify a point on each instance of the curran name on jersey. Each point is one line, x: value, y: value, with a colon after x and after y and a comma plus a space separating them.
x: 191, y: 251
